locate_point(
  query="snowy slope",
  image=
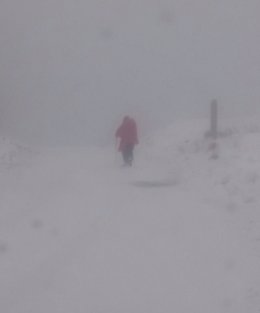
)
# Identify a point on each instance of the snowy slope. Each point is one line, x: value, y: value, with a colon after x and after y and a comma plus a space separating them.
x: 179, y: 232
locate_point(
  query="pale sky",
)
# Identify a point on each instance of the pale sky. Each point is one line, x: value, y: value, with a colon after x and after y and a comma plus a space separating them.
x: 71, y: 69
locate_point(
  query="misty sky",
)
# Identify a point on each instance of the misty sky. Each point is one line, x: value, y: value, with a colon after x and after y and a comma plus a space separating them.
x: 71, y: 69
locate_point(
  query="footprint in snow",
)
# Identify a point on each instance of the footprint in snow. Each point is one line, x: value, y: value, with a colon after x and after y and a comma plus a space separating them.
x: 3, y: 248
x: 249, y: 200
x: 37, y: 224
x: 232, y: 207
x: 227, y: 303
x: 230, y: 264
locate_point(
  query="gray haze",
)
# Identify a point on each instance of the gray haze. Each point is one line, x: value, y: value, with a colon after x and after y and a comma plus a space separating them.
x: 70, y: 69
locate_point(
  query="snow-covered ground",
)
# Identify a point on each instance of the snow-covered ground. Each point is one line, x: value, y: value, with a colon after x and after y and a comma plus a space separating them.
x: 178, y: 232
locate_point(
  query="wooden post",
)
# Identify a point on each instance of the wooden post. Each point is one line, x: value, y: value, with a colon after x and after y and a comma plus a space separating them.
x: 214, y: 119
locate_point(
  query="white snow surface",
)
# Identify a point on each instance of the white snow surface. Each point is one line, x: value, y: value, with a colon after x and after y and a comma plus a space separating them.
x: 178, y: 232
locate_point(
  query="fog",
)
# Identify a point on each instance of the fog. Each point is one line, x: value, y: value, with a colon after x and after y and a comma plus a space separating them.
x: 71, y: 69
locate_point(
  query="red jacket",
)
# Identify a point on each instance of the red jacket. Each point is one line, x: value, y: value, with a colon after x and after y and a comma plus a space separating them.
x: 127, y: 133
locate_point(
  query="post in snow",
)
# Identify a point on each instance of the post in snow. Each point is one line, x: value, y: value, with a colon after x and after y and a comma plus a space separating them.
x: 213, y: 132
x: 214, y: 119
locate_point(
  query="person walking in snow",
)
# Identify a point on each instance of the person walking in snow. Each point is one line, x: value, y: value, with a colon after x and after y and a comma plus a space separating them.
x: 128, y: 138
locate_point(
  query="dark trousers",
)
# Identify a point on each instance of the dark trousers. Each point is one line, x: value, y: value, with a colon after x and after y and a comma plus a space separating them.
x: 128, y: 154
